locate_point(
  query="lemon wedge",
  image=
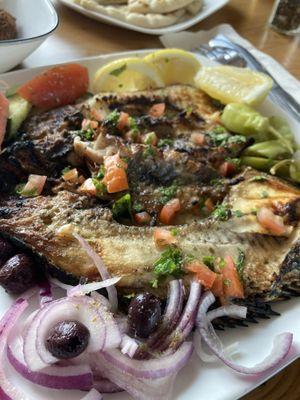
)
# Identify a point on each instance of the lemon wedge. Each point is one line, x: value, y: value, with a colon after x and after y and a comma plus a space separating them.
x: 175, y: 65
x: 234, y: 85
x: 127, y: 74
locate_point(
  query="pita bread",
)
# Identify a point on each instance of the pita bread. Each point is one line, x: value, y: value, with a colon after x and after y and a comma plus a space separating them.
x: 195, y: 7
x: 157, y: 6
x: 123, y: 13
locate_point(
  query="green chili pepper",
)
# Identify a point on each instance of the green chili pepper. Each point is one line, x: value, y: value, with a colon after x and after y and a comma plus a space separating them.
x: 272, y: 149
x: 240, y: 118
x: 295, y: 170
x: 260, y: 163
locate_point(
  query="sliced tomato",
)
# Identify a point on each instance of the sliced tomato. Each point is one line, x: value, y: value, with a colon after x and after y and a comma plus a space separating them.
x: 98, y: 115
x: 169, y: 211
x: 227, y: 168
x: 88, y: 187
x: 56, y: 87
x: 271, y: 222
x: 4, y: 107
x: 217, y: 287
x: 34, y: 185
x: 123, y: 120
x: 88, y: 123
x: 115, y: 174
x: 162, y: 237
x: 204, y: 275
x: 157, y: 110
x: 71, y: 175
x: 142, y: 218
x: 198, y: 138
x: 232, y: 284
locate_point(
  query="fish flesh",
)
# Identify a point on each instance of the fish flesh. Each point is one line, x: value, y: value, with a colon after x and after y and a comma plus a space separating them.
x: 272, y: 264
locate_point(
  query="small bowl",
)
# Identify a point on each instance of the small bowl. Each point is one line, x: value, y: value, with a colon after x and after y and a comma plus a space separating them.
x: 36, y: 20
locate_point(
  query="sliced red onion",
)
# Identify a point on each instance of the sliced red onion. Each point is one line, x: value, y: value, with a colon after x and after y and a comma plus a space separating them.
x: 139, y: 389
x: 45, y: 293
x: 101, y: 299
x: 60, y: 284
x: 187, y: 320
x: 104, y: 332
x: 129, y: 346
x: 80, y: 290
x: 230, y: 350
x: 103, y: 385
x: 150, y: 369
x: 233, y: 311
x: 281, y: 343
x: 68, y: 377
x: 112, y: 291
x: 93, y: 395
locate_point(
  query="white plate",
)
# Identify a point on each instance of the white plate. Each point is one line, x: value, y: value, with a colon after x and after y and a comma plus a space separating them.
x: 197, y: 380
x: 209, y: 7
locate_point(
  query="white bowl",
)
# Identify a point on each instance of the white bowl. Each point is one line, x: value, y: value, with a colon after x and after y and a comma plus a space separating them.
x: 36, y: 20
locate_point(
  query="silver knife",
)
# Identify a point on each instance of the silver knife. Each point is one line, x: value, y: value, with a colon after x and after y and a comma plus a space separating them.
x: 278, y: 95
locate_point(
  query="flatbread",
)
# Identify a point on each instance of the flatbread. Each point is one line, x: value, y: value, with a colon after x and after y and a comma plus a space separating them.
x: 123, y: 13
x: 110, y: 2
x: 157, y: 6
x: 195, y: 7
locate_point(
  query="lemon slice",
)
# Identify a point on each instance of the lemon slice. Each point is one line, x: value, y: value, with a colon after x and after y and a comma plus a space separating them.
x: 127, y: 74
x: 175, y: 65
x: 234, y: 85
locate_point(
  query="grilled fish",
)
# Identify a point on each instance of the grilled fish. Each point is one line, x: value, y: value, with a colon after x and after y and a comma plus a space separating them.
x: 46, y: 224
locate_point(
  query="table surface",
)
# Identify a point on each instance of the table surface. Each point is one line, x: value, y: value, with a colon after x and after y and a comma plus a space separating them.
x: 78, y: 36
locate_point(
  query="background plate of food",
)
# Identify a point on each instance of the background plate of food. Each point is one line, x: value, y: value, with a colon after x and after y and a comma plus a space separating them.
x: 152, y: 17
x: 253, y: 233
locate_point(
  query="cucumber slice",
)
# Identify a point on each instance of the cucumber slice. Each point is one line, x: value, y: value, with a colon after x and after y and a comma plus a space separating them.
x: 19, y: 109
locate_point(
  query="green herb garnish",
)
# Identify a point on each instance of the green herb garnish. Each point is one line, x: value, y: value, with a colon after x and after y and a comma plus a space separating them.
x: 238, y: 213
x: 168, y: 193
x: 174, y: 232
x: 209, y: 261
x: 227, y: 282
x: 65, y: 170
x: 85, y: 134
x: 122, y: 207
x: 264, y: 194
x: 165, y: 142
x: 149, y: 151
x: 222, y: 212
x: 100, y: 187
x: 240, y: 262
x: 258, y: 178
x: 169, y: 263
x: 118, y: 71
x: 224, y: 138
x: 101, y: 173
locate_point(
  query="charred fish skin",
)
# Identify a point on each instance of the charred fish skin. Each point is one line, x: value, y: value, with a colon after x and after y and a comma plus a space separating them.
x: 46, y: 224
x: 43, y: 145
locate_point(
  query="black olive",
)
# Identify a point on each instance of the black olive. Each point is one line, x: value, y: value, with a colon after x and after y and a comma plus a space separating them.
x: 6, y: 251
x: 17, y: 274
x: 144, y: 314
x: 67, y: 339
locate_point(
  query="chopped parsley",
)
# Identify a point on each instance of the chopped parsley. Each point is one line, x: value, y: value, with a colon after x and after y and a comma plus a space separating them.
x: 100, y: 173
x: 150, y: 138
x: 209, y: 261
x: 222, y: 212
x: 85, y: 134
x: 122, y: 207
x: 165, y: 142
x: 238, y: 213
x: 174, y: 232
x: 134, y: 130
x: 137, y: 207
x: 168, y: 193
x: 65, y: 170
x: 170, y: 263
x: 118, y: 71
x: 223, y: 138
x: 111, y: 122
x: 100, y: 187
x: 235, y: 161
x: 149, y: 151
x: 227, y: 282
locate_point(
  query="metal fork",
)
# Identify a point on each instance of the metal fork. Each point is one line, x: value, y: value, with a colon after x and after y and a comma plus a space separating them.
x: 224, y: 51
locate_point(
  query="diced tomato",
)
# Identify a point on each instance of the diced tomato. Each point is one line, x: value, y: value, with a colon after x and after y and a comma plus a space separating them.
x: 209, y: 205
x: 71, y: 176
x: 217, y: 287
x: 115, y: 174
x: 157, y: 110
x: 169, y: 211
x: 88, y: 187
x: 56, y: 87
x: 4, y: 107
x: 271, y: 222
x: 231, y: 281
x: 198, y: 138
x: 87, y: 123
x: 98, y: 115
x: 204, y: 275
x: 162, y: 237
x: 142, y: 218
x: 123, y: 120
x: 34, y: 185
x: 227, y: 168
